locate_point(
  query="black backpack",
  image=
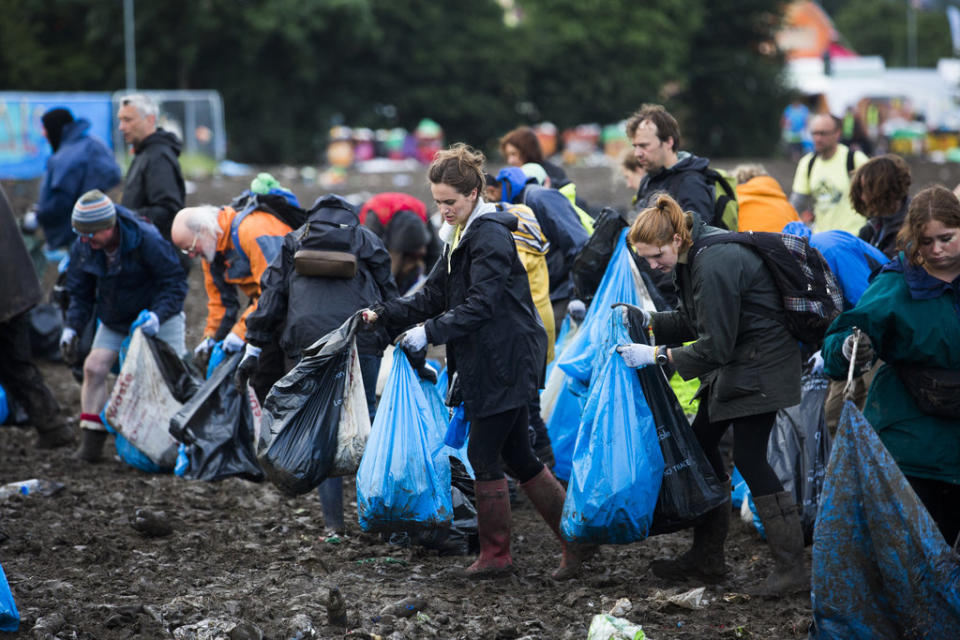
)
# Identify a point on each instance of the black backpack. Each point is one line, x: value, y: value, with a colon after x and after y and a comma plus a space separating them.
x: 809, y: 290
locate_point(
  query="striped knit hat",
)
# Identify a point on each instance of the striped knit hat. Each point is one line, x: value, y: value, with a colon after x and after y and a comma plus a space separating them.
x: 93, y: 212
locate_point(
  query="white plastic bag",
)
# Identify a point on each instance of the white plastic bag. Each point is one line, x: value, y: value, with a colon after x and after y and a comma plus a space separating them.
x: 354, y: 427
x: 141, y: 404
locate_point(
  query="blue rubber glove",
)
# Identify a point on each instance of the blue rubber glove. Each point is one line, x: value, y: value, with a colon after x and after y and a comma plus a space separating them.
x: 148, y: 322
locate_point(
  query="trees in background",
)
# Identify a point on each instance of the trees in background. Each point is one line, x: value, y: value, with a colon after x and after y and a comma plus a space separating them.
x: 288, y: 69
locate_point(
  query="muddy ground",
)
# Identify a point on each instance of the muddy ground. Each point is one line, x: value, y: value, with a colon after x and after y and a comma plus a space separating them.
x: 254, y: 561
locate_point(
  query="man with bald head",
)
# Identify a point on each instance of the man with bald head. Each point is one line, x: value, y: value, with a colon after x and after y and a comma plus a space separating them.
x: 821, y: 185
x: 236, y: 243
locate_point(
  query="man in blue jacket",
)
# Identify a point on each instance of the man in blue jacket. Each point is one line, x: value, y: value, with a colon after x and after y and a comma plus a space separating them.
x: 123, y: 265
x: 560, y: 224
x: 79, y: 163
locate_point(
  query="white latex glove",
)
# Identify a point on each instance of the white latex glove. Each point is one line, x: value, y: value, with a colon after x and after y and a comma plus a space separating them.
x: 204, y: 347
x: 251, y: 351
x: 152, y: 325
x: 637, y: 355
x: 864, y: 349
x: 414, y: 339
x: 66, y: 336
x: 232, y: 343
x: 369, y: 316
x: 625, y: 315
x: 577, y: 310
x: 816, y: 362
x: 30, y: 221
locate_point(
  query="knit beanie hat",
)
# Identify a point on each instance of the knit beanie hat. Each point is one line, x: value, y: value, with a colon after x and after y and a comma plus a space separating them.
x: 93, y: 212
x: 53, y: 122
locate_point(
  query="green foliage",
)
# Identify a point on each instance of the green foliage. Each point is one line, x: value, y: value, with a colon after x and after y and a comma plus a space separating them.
x: 733, y: 95
x: 288, y: 69
x: 598, y: 61
x: 879, y: 27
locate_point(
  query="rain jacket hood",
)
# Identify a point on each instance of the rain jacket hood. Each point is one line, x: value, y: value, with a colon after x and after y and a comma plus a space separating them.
x: 513, y: 181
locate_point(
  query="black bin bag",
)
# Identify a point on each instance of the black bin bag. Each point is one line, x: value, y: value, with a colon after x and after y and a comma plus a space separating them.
x: 799, y: 448
x: 301, y: 414
x: 690, y: 487
x: 218, y: 428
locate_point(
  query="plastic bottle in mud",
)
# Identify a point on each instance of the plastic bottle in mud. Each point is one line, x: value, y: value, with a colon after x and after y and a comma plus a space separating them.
x: 336, y: 608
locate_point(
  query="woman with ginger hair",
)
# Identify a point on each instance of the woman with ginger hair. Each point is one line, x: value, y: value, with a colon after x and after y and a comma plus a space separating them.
x: 749, y: 368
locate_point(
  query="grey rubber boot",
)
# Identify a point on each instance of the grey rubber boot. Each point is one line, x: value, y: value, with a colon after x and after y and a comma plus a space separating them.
x: 705, y: 559
x: 781, y: 523
x: 91, y: 445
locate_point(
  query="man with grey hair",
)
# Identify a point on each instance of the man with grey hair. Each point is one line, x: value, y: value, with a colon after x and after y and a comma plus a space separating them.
x: 237, y: 243
x: 154, y: 185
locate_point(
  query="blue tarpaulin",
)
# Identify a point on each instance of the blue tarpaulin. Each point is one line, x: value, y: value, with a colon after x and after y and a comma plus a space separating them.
x: 881, y: 568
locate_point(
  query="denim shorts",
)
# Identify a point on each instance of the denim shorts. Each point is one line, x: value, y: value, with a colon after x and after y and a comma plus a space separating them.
x: 172, y: 332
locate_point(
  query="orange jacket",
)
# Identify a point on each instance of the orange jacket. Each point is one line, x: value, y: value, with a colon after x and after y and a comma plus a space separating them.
x: 763, y: 206
x: 261, y: 238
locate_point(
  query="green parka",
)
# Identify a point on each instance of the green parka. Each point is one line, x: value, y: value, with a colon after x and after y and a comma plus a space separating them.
x: 747, y: 363
x: 911, y: 318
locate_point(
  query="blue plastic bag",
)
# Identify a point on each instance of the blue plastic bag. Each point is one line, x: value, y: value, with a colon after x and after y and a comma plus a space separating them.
x: 458, y: 451
x: 4, y: 407
x: 129, y: 453
x: 402, y: 484
x: 621, y: 283
x: 9, y: 616
x: 881, y: 568
x: 617, y: 461
x: 582, y: 356
x: 217, y: 355
x: 458, y: 429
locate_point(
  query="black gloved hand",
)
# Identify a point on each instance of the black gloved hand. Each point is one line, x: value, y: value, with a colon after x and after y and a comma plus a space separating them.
x: 247, y: 367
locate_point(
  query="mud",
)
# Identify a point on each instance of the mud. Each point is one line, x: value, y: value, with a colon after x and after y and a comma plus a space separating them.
x: 236, y: 560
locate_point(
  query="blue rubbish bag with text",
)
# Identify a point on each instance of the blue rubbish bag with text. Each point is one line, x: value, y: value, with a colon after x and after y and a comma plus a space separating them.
x: 617, y: 462
x: 881, y: 568
x: 569, y: 383
x: 9, y: 616
x: 621, y: 283
x: 403, y: 484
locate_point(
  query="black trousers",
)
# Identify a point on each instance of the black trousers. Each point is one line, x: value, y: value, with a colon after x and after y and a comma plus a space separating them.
x: 503, y: 434
x: 20, y: 377
x: 750, y: 437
